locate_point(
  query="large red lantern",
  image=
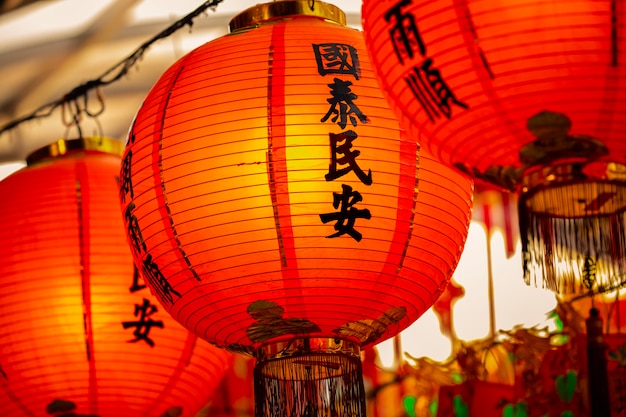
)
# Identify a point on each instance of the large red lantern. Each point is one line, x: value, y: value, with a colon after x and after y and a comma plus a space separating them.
x: 528, y: 96
x: 275, y: 207
x: 80, y: 334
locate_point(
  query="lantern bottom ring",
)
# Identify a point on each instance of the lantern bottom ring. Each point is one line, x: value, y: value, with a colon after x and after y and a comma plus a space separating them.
x: 309, y: 376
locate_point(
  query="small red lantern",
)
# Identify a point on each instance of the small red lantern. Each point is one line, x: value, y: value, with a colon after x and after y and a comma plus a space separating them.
x: 528, y: 96
x: 80, y: 334
x: 274, y: 206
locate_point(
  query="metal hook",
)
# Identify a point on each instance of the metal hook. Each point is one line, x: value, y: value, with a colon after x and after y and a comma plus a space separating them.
x: 75, y: 118
x: 98, y: 132
x: 100, y: 100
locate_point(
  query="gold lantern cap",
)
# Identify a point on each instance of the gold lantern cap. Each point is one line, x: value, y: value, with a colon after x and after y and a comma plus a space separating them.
x: 265, y: 12
x: 64, y: 146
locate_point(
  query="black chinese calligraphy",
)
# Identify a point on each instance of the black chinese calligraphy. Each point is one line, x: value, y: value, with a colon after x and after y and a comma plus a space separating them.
x: 423, y: 79
x: 404, y: 34
x: 432, y: 92
x: 342, y: 106
x: 345, y: 218
x: 125, y: 181
x: 131, y: 136
x: 343, y: 155
x: 144, y: 323
x: 337, y: 58
x: 134, y: 232
x: 159, y: 284
x: 136, y: 286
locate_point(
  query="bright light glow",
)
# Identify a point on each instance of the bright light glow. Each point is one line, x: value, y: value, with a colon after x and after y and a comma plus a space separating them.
x: 10, y: 168
x: 471, y: 313
x: 515, y: 302
x: 386, y: 356
x: 422, y: 338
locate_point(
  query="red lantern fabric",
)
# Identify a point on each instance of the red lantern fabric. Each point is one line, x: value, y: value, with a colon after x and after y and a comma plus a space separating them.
x: 80, y: 334
x: 527, y: 96
x: 236, y: 191
x: 269, y: 195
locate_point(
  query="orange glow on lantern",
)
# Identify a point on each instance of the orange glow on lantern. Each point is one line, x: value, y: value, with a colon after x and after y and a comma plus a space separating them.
x: 525, y: 96
x: 277, y: 209
x: 81, y: 334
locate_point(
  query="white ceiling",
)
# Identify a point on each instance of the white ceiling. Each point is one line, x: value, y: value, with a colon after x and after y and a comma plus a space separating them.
x: 49, y: 47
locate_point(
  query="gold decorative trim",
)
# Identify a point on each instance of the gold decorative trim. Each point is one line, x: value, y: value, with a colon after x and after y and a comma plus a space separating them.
x: 304, y: 346
x: 265, y: 12
x: 65, y: 146
x: 369, y: 331
x: 574, y: 189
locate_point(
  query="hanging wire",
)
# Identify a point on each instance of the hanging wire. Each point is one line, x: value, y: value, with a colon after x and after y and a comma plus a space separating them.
x: 74, y: 111
x: 70, y: 101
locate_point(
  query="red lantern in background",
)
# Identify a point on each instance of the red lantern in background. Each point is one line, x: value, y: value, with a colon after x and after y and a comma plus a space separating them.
x: 80, y: 334
x: 528, y: 96
x: 271, y: 200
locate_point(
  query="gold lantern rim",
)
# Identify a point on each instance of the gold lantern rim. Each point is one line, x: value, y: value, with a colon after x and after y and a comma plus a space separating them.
x: 265, y: 12
x: 543, y: 189
x: 64, y: 146
x: 278, y: 349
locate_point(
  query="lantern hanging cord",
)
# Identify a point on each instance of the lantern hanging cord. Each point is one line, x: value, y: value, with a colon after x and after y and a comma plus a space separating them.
x: 73, y: 98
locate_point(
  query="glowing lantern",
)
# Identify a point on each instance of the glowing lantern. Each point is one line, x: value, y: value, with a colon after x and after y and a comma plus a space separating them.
x: 528, y: 96
x: 271, y: 200
x: 80, y: 334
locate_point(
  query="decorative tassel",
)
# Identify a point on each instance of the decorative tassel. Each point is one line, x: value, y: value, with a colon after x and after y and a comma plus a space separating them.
x: 573, y: 231
x: 599, y: 395
x: 309, y: 378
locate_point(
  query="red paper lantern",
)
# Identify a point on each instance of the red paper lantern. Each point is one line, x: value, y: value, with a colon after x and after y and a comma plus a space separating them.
x: 528, y: 96
x: 80, y: 334
x: 274, y: 206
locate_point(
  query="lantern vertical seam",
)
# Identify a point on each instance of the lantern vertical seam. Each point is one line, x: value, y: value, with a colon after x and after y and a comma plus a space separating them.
x: 472, y: 29
x: 277, y: 159
x: 466, y: 25
x: 606, y: 120
x: 614, y: 37
x: 162, y: 178
x: 270, y: 158
x: 407, y: 243
x: 82, y: 203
